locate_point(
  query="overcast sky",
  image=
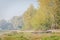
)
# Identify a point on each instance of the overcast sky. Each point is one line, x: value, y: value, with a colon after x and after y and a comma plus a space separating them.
x: 10, y: 8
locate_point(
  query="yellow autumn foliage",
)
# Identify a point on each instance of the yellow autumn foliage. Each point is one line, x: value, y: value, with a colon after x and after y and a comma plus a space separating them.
x: 45, y: 17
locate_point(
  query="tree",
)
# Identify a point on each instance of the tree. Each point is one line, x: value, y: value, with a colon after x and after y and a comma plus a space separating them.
x: 17, y: 22
x: 28, y: 16
x: 57, y: 14
x: 44, y: 17
x: 53, y: 7
x: 47, y: 16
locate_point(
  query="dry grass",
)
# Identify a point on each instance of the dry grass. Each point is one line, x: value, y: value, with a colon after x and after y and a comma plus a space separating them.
x: 31, y: 36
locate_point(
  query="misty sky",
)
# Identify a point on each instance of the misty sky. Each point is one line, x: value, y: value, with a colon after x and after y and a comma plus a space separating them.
x: 10, y: 8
